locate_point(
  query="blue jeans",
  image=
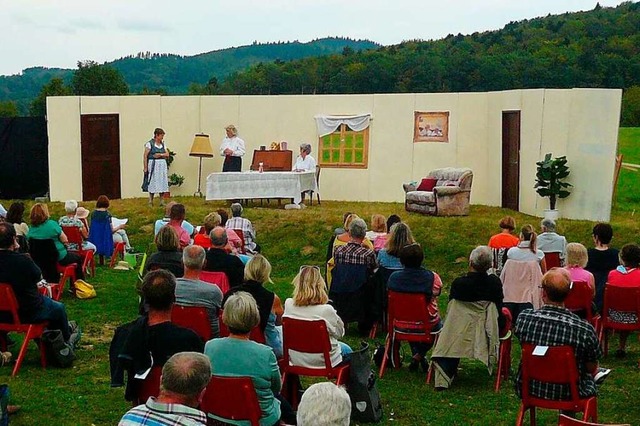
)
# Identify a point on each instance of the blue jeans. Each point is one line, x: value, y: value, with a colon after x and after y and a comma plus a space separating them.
x: 345, y: 351
x: 55, y: 313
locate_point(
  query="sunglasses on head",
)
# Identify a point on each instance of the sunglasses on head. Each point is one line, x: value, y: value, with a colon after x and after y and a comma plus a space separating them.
x: 303, y: 267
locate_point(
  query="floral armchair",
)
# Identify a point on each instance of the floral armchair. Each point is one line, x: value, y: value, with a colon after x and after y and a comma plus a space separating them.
x: 449, y: 197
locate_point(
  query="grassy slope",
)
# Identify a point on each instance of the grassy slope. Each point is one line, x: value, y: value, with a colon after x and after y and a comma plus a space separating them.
x: 82, y: 396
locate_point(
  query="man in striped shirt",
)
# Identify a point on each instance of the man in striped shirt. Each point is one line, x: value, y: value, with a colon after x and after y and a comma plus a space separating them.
x: 185, y: 377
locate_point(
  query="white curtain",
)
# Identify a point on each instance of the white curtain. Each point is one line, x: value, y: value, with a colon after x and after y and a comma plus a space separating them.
x: 328, y: 124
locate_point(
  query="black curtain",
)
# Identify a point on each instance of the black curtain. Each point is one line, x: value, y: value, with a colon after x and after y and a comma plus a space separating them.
x: 24, y: 164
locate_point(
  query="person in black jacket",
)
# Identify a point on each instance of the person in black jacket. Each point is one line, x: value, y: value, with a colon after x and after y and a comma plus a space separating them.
x: 218, y: 260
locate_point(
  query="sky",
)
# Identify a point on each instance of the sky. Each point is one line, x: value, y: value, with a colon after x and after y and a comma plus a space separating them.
x: 59, y: 33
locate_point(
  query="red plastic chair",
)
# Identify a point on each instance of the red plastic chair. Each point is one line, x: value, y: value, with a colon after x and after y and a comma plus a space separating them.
x: 194, y: 318
x: 241, y: 236
x: 57, y: 289
x: 256, y: 333
x: 75, y: 237
x: 619, y: 299
x: 218, y: 278
x: 408, y: 320
x: 580, y: 299
x: 557, y: 365
x: 118, y: 249
x: 552, y: 259
x: 504, y: 356
x: 150, y: 386
x: 309, y: 337
x: 9, y: 303
x: 570, y: 421
x: 232, y: 398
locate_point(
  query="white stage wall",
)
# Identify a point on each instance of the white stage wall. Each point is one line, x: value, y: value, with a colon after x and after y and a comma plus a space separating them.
x: 579, y: 123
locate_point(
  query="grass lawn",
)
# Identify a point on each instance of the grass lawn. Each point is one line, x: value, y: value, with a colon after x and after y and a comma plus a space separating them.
x: 290, y: 238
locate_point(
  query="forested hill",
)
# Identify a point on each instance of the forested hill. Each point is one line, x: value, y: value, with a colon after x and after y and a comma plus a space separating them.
x: 598, y: 48
x: 173, y: 74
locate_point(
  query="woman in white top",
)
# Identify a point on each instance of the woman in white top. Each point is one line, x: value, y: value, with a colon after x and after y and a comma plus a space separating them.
x: 232, y: 149
x: 526, y: 249
x: 309, y: 302
x: 155, y: 163
x: 304, y: 162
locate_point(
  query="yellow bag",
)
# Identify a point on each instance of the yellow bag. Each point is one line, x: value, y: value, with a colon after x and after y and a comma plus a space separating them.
x: 84, y: 290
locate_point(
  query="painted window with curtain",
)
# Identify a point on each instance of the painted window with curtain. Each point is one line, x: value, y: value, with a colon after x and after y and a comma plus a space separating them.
x: 343, y: 141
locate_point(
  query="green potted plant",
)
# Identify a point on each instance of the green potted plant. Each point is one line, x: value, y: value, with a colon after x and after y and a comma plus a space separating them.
x: 550, y: 176
x: 174, y: 179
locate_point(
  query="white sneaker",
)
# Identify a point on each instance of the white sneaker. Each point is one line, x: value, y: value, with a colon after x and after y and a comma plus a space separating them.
x: 601, y: 375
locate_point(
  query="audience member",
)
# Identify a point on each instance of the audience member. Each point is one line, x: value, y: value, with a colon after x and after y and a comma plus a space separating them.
x: 505, y: 239
x: 23, y: 275
x: 234, y: 239
x: 151, y: 339
x: 167, y: 217
x: 378, y: 233
x: 219, y: 260
x: 202, y: 238
x: 399, y: 236
x: 70, y: 219
x: 576, y: 259
x: 185, y: 377
x: 176, y: 217
x: 243, y: 224
x: 324, y: 404
x: 311, y: 302
x: 549, y: 241
x: 413, y: 278
x: 15, y: 215
x: 257, y: 273
x: 554, y: 325
x: 625, y: 275
x: 341, y: 229
x: 236, y: 355
x: 43, y: 228
x: 168, y: 255
x: 191, y: 291
x: 526, y: 249
x: 392, y: 220
x: 602, y: 259
x: 345, y: 237
x: 102, y: 213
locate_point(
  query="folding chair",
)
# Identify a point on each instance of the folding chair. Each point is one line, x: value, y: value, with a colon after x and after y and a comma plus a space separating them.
x: 504, y: 355
x: 309, y: 337
x: 194, y: 318
x: 570, y: 421
x: 580, y: 300
x: 409, y: 321
x: 218, y: 278
x: 552, y: 260
x: 231, y: 398
x: 622, y: 300
x: 557, y: 365
x: 150, y: 386
x: 75, y: 237
x: 9, y: 303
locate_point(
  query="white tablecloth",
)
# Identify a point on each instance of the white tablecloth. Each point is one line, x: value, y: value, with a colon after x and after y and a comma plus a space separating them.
x: 239, y: 185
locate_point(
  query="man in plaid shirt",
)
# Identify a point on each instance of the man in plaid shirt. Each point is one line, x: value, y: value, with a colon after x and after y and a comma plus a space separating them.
x: 554, y: 325
x: 245, y: 225
x: 184, y: 378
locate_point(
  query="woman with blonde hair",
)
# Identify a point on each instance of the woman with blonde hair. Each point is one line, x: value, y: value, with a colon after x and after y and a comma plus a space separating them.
x: 577, y: 259
x: 378, y: 233
x: 232, y: 149
x: 310, y: 302
x: 168, y: 255
x: 257, y: 273
x: 526, y: 249
x: 345, y: 237
x: 399, y: 236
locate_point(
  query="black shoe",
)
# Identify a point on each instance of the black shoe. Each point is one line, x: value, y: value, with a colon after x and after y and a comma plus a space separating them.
x: 414, y: 365
x: 620, y: 353
x: 424, y: 365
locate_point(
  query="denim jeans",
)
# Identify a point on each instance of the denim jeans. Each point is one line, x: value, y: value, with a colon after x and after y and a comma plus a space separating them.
x: 55, y: 313
x: 345, y: 351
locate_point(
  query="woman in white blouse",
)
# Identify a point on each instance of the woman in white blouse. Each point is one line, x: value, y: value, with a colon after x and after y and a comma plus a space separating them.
x: 232, y: 149
x: 304, y: 162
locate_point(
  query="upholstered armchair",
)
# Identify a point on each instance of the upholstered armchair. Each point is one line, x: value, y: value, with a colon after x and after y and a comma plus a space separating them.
x: 449, y: 194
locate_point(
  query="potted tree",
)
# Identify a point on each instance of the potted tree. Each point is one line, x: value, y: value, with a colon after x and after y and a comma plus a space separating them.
x: 174, y: 179
x: 549, y: 182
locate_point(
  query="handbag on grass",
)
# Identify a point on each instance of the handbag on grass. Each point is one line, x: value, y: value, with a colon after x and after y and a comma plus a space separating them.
x: 59, y: 353
x: 366, y: 406
x: 84, y: 290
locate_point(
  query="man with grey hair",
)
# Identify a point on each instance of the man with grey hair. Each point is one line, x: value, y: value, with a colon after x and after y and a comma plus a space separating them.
x: 351, y: 287
x: 185, y: 377
x: 324, y: 404
x: 477, y: 285
x: 219, y: 260
x: 549, y: 241
x: 191, y: 291
x: 237, y: 222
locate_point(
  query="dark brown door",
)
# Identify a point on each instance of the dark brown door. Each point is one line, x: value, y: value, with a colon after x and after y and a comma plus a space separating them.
x: 510, y: 159
x: 100, y: 148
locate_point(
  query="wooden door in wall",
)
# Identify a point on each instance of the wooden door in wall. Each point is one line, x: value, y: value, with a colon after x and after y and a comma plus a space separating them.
x: 100, y: 150
x: 511, y: 159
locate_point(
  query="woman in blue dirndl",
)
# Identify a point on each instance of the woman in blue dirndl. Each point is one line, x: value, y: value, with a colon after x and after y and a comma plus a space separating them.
x: 155, y: 164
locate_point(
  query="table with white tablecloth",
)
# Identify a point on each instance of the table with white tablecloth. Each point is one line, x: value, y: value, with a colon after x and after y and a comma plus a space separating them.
x: 247, y: 185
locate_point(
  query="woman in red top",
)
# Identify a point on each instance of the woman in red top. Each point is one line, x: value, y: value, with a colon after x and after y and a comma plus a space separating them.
x: 626, y: 275
x: 505, y: 239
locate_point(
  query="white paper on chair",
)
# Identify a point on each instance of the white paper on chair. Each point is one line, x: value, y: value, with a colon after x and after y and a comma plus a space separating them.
x: 115, y: 222
x: 540, y: 350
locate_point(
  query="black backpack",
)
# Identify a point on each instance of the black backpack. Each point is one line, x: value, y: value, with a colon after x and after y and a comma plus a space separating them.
x: 366, y: 406
x: 59, y: 353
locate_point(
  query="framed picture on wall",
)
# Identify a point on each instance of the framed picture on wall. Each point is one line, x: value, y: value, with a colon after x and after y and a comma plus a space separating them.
x: 431, y: 126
